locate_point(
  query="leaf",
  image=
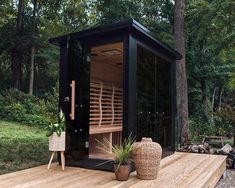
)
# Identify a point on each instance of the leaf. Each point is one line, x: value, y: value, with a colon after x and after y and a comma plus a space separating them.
x: 49, y: 133
x: 58, y: 132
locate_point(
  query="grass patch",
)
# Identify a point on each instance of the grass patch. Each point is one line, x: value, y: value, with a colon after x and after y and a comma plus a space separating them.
x: 21, y: 147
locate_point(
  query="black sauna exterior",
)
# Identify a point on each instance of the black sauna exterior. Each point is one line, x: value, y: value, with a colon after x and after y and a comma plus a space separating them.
x: 147, y: 81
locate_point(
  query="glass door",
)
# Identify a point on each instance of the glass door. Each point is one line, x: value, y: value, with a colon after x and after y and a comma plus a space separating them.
x: 106, y: 100
x: 77, y: 130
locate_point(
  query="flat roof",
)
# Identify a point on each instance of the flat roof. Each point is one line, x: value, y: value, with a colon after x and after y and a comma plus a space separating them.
x: 132, y: 25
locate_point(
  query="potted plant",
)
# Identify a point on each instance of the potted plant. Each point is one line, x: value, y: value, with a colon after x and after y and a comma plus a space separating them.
x: 56, y: 134
x: 122, y: 155
x: 122, y: 165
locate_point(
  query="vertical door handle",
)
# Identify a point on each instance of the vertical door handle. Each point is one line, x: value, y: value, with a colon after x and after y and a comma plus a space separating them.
x: 72, y: 114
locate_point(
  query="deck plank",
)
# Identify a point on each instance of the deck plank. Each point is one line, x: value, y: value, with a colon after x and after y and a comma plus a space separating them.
x: 177, y: 170
x: 210, y: 176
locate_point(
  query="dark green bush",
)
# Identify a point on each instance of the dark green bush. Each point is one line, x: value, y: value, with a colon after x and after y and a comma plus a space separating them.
x: 33, y: 119
x: 201, y: 126
x: 15, y: 111
x: 20, y: 107
x: 51, y: 103
x: 223, y: 127
x: 208, y: 123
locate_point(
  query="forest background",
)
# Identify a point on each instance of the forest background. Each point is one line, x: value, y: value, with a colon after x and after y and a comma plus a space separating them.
x: 29, y: 64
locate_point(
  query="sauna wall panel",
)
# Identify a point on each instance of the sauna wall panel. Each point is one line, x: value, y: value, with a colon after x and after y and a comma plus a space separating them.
x: 105, y: 118
x: 107, y: 73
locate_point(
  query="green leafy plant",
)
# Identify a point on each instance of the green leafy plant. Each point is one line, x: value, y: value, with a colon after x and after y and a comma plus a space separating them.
x: 122, y: 153
x: 20, y: 107
x: 56, y: 127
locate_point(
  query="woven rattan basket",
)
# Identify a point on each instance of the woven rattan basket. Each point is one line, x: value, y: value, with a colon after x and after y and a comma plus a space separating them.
x: 147, y: 156
x: 57, y: 143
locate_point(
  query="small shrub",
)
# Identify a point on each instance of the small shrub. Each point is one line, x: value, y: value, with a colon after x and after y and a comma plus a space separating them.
x: 14, y: 112
x: 223, y: 127
x: 201, y: 126
x: 20, y: 107
x: 52, y: 104
x: 33, y: 119
x: 210, y: 124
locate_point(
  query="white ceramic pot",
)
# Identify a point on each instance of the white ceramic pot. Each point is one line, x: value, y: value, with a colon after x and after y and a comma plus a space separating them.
x: 57, y: 143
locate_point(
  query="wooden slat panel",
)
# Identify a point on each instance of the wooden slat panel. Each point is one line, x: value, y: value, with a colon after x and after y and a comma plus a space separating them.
x: 103, y: 118
x: 104, y: 129
x: 105, y: 115
x: 108, y: 114
x: 92, y: 122
x: 106, y: 99
x: 101, y: 156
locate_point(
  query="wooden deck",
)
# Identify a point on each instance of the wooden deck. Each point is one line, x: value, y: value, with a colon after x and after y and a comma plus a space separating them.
x: 178, y: 170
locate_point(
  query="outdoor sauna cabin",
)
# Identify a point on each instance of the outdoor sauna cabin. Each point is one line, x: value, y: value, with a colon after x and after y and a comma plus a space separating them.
x: 115, y: 80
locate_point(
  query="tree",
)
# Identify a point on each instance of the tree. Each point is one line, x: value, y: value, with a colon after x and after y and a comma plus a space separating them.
x: 181, y: 78
x: 16, y: 52
x: 210, y: 50
x: 32, y: 52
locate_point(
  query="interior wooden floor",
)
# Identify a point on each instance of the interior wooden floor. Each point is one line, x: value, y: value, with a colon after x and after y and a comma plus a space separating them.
x: 177, y: 170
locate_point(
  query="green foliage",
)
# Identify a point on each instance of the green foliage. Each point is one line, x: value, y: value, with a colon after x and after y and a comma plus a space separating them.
x: 210, y: 52
x: 156, y: 15
x: 223, y: 126
x: 232, y: 81
x: 51, y: 102
x: 24, y: 147
x: 15, y: 111
x: 123, y: 153
x: 210, y: 41
x: 200, y: 125
x: 20, y: 107
x: 210, y: 63
x: 214, y: 124
x: 57, y: 127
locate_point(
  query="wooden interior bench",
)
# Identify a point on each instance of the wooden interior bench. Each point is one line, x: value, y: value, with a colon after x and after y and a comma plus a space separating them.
x: 106, y: 102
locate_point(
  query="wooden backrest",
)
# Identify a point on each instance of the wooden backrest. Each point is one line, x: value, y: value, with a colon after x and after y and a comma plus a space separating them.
x: 105, y: 104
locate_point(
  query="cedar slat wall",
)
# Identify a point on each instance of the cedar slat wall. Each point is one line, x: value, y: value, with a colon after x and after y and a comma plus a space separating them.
x: 105, y: 118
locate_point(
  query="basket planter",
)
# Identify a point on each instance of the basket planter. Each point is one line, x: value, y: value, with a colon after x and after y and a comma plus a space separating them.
x: 57, y: 143
x: 122, y: 172
x: 147, y: 156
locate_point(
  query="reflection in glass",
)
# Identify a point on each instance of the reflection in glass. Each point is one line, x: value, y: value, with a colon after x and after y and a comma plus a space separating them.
x: 153, y: 97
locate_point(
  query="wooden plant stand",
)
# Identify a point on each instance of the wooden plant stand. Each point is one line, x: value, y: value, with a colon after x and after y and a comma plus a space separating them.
x: 62, y: 158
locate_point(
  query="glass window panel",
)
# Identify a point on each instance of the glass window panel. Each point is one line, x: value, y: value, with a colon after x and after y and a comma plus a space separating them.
x: 153, y: 97
x: 145, y: 93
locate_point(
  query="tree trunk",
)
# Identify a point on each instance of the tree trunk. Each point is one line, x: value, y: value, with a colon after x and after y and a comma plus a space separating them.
x: 19, y: 18
x: 213, y: 99
x: 31, y: 73
x: 204, y: 93
x: 205, y: 100
x: 233, y: 134
x: 181, y: 78
x: 32, y: 52
x: 220, y: 97
x: 16, y: 53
